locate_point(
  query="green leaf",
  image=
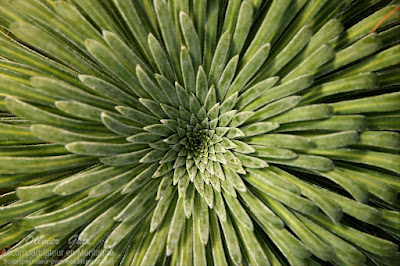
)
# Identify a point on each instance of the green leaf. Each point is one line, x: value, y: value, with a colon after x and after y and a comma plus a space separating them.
x: 226, y: 78
x: 117, y: 182
x: 267, y: 29
x: 124, y: 53
x: 250, y: 161
x: 110, y: 91
x: 290, y: 246
x: 31, y: 112
x: 153, y: 107
x: 125, y: 158
x: 324, y: 35
x: 101, y: 149
x: 218, y: 253
x: 249, y: 69
x: 309, y: 14
x: 282, y: 141
x: 81, y: 181
x: 141, y: 179
x: 313, y: 242
x: 254, y: 92
x: 45, y: 42
x: 219, y: 206
x: 275, y: 108
x: 210, y: 32
x: 189, y: 79
x: 390, y: 218
x: 11, y: 86
x: 238, y: 146
x: 199, y: 252
x: 160, y: 58
x: 71, y: 15
x: 144, y: 138
x: 20, y: 208
x: 15, y: 165
x: 354, y: 187
x: 220, y: 58
x: 188, y: 200
x: 238, y: 212
x: 365, y: 81
x: 62, y: 90
x: 380, y: 139
x: 149, y: 86
x: 176, y: 226
x: 299, y: 41
x: 388, y: 78
x: 80, y: 110
x: 109, y: 59
x: 271, y: 152
x: 118, y: 126
x: 10, y: 235
x: 240, y: 118
x: 201, y: 85
x: 253, y: 250
x: 235, y: 180
x: 69, y: 224
x: 356, y: 209
x: 366, y: 241
x: 159, y: 129
x: 304, y: 113
x: 314, y: 193
x: 14, y: 132
x: 162, y: 208
x: 334, y: 123
x: 136, y: 205
x: 258, y: 209
x: 379, y: 159
x: 243, y: 24
x: 309, y: 162
x: 345, y: 252
x: 168, y: 90
x: 191, y: 38
x: 258, y: 128
x: 383, y: 59
x: 283, y: 195
x: 274, y: 177
x: 128, y: 225
x: 33, y: 150
x: 364, y: 27
x: 289, y: 88
x: 183, y: 96
x: 137, y: 116
x: 211, y: 98
x: 231, y: 241
x: 381, y: 103
x: 199, y: 15
x: 335, y: 140
x: 227, y: 104
x: 312, y: 63
x: 231, y: 15
x: 362, y: 48
x: 383, y: 122
x: 168, y: 32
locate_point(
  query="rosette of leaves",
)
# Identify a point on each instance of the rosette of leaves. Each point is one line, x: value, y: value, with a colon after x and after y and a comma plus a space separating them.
x: 200, y: 132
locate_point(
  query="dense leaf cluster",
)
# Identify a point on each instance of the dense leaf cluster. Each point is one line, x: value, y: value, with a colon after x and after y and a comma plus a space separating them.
x: 200, y: 132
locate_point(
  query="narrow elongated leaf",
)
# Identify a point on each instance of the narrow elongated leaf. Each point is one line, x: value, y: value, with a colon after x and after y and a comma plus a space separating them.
x: 41, y: 116
x: 249, y: 70
x: 15, y: 165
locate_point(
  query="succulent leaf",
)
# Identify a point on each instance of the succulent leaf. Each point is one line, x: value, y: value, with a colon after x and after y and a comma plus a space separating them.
x: 199, y: 132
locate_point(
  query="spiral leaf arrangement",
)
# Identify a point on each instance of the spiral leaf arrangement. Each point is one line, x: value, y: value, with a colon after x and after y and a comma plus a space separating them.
x: 200, y: 132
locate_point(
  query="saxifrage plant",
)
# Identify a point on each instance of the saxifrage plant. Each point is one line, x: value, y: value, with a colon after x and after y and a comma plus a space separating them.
x: 205, y: 132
